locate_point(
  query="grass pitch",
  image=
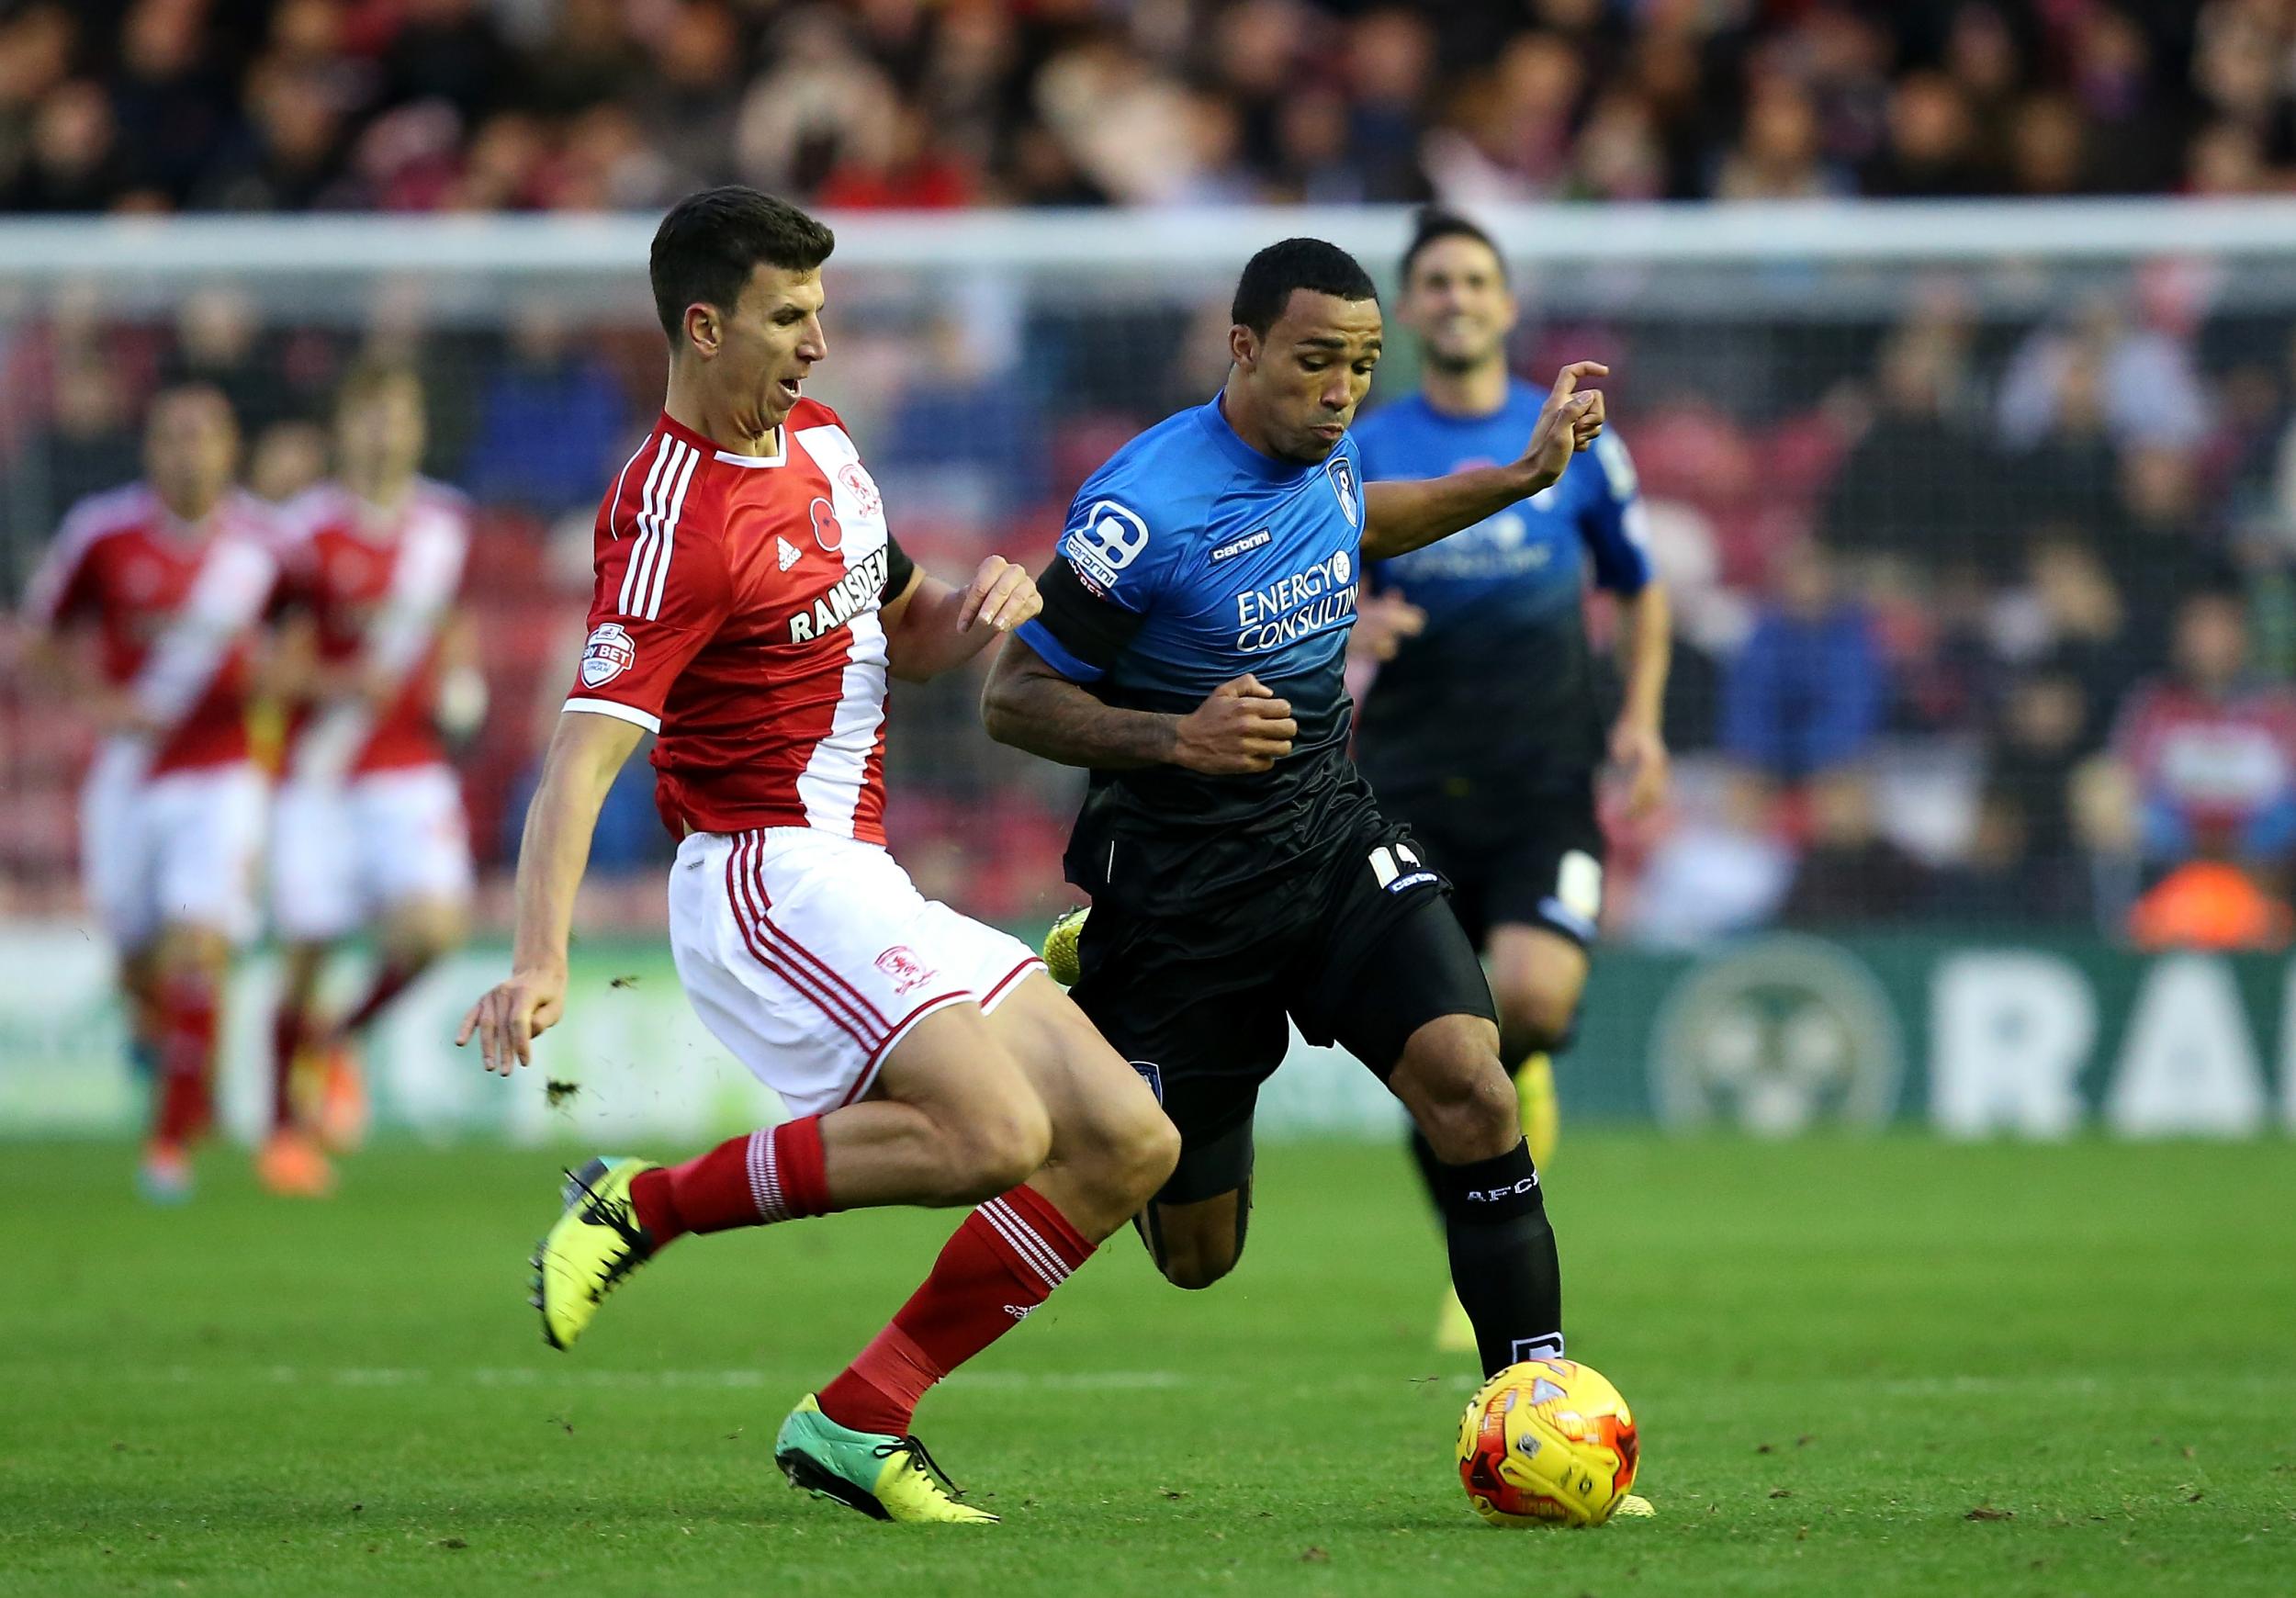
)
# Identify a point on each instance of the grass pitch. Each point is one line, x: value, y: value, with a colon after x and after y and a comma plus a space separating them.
x: 1861, y: 1368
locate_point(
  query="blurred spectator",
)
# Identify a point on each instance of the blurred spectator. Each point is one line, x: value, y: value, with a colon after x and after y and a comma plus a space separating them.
x: 1719, y: 869
x: 1807, y: 693
x: 1851, y: 874
x: 550, y: 421
x: 1888, y: 498
x: 2210, y: 754
x: 2210, y: 904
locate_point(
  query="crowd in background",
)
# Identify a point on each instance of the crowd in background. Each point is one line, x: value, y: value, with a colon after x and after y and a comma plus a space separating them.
x: 1980, y: 620
x: 1986, y: 609
x: 579, y: 105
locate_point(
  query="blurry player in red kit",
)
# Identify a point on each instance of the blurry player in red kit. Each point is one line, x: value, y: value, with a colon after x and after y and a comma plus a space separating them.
x: 369, y: 828
x: 750, y: 604
x: 172, y: 575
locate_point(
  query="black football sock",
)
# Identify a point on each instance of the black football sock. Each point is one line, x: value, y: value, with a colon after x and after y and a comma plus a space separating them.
x: 1504, y: 1262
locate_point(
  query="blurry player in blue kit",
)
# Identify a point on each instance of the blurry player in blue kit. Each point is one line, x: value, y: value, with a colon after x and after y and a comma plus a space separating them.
x: 1483, y: 727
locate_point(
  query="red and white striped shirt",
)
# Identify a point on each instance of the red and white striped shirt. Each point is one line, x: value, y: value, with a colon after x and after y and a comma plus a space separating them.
x: 379, y: 587
x: 177, y: 607
x: 735, y: 616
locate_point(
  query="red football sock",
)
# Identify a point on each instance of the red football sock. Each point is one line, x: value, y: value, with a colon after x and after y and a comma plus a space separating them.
x: 1003, y: 1262
x: 186, y: 1047
x: 286, y: 1039
x: 391, y: 981
x: 775, y: 1174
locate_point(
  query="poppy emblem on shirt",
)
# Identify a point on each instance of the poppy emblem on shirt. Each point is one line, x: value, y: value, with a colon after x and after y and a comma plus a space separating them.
x: 828, y: 531
x: 1342, y: 472
x: 867, y: 503
x: 609, y: 653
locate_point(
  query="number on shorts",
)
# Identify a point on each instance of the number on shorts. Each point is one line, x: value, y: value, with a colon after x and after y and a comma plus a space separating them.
x: 1384, y: 858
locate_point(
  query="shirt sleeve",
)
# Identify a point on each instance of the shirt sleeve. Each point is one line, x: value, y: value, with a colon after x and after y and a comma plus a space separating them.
x: 62, y: 586
x: 1614, y: 523
x: 1099, y: 587
x: 899, y: 568
x: 658, y: 602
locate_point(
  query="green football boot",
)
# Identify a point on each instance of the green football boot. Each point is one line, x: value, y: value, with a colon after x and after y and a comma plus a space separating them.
x: 884, y: 1476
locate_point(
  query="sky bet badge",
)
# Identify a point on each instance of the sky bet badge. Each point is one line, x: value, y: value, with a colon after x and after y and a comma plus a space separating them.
x: 1343, y: 475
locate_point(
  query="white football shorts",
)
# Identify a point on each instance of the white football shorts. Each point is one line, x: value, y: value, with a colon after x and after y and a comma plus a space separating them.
x: 344, y: 854
x: 810, y: 956
x: 181, y: 848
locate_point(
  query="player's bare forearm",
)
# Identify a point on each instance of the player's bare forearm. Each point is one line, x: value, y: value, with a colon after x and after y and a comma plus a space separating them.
x: 935, y: 626
x: 585, y: 752
x: 1647, y: 652
x: 1400, y: 517
x: 56, y: 676
x: 1032, y: 707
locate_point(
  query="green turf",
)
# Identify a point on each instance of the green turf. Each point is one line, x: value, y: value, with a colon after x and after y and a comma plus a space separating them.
x: 1839, y: 1351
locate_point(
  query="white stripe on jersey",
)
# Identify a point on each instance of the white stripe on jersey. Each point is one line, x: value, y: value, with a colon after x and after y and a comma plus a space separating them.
x: 670, y: 534
x: 837, y: 773
x: 645, y: 529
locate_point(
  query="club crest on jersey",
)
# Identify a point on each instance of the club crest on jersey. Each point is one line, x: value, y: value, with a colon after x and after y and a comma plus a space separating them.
x: 1342, y: 472
x: 900, y: 963
x: 609, y: 652
x: 867, y: 503
x: 828, y: 531
x: 843, y: 600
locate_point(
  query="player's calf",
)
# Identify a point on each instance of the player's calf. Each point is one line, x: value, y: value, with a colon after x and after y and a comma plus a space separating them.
x: 1502, y: 1246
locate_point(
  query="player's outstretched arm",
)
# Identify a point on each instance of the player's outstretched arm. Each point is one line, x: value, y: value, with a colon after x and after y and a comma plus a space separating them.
x: 585, y: 752
x: 934, y: 628
x: 1400, y: 517
x: 1242, y: 728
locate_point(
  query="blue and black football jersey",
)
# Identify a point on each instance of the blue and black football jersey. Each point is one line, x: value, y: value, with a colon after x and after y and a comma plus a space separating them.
x: 1496, y: 697
x: 1195, y: 559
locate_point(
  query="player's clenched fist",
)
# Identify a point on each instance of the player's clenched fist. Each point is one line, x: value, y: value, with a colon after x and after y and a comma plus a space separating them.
x: 1569, y: 421
x: 512, y: 1015
x: 1002, y: 596
x: 1242, y: 728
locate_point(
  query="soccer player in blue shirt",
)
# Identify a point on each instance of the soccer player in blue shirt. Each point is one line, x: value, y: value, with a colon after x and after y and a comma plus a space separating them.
x: 1191, y: 654
x: 1482, y: 728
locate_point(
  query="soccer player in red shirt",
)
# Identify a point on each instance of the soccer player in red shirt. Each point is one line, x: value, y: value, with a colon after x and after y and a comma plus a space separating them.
x: 172, y: 575
x: 750, y: 605
x: 370, y: 827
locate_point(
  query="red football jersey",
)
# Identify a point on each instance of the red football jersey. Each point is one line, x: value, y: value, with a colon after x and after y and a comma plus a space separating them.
x: 177, y: 607
x: 735, y: 616
x: 2219, y: 763
x: 379, y: 586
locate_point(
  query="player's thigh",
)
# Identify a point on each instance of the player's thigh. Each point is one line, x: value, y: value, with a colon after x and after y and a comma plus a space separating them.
x: 414, y: 850
x: 116, y: 871
x: 951, y: 1068
x: 1102, y: 1110
x: 209, y: 850
x: 315, y: 848
x: 798, y: 950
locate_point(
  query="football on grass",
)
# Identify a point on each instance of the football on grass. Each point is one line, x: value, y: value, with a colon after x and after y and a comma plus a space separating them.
x: 1548, y: 1442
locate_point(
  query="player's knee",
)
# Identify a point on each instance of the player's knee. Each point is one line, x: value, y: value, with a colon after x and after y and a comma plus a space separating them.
x: 1195, y: 1262
x: 1146, y: 1150
x: 997, y: 1149
x: 1465, y: 1106
x: 1535, y: 1017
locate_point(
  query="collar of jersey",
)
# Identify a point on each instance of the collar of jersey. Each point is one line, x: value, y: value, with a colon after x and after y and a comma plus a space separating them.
x: 1230, y: 443
x: 685, y: 434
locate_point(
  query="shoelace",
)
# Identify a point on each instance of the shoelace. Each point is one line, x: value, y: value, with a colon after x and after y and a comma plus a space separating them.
x: 616, y: 1213
x: 921, y: 1461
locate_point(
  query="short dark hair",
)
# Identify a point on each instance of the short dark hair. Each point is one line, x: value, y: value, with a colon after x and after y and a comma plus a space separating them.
x: 1271, y: 276
x: 710, y: 241
x: 1433, y: 225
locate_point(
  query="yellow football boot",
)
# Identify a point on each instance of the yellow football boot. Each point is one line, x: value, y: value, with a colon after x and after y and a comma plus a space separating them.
x: 590, y: 1248
x: 886, y: 1477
